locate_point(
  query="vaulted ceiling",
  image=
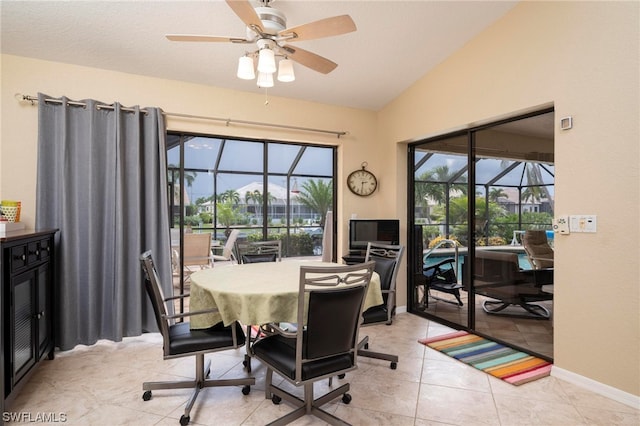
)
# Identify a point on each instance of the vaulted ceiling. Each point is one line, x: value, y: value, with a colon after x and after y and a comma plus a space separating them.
x: 395, y: 44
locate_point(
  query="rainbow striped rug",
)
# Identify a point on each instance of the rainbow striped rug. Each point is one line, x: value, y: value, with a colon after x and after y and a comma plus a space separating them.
x: 500, y: 361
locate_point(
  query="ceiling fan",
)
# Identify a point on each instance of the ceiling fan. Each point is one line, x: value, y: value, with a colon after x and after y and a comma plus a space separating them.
x: 266, y: 27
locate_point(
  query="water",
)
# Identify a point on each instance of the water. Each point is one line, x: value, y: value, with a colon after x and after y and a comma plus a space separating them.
x: 436, y: 258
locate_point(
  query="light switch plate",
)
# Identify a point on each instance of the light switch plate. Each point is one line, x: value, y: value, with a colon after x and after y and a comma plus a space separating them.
x: 583, y: 223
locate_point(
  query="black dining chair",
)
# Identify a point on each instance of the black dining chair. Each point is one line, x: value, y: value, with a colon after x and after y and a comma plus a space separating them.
x: 179, y: 340
x: 330, y: 304
x: 387, y: 258
x: 256, y: 252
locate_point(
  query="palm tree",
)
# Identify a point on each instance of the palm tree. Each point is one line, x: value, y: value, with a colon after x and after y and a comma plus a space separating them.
x: 230, y: 196
x: 540, y: 191
x: 255, y: 197
x: 433, y: 184
x: 496, y: 193
x: 270, y: 199
x: 317, y: 195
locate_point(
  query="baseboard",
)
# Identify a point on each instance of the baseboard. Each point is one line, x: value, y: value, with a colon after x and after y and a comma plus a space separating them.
x: 597, y: 387
x: 401, y: 309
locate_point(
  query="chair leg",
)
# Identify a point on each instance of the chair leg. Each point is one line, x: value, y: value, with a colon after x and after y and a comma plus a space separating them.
x: 276, y: 394
x: 247, y: 356
x: 268, y: 378
x: 456, y: 293
x: 202, y: 373
x: 201, y: 381
x: 149, y: 386
x: 309, y: 405
x: 364, y: 343
x: 534, y: 311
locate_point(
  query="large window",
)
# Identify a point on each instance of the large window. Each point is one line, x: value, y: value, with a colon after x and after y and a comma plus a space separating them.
x: 265, y: 189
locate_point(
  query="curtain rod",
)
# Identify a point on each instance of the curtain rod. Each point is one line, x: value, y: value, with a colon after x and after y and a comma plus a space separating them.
x: 228, y: 121
x: 34, y: 100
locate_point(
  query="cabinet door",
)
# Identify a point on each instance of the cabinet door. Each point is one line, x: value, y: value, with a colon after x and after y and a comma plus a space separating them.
x: 43, y: 314
x: 23, y: 330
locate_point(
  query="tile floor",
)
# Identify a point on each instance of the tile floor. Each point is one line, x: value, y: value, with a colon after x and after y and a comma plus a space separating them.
x: 101, y: 385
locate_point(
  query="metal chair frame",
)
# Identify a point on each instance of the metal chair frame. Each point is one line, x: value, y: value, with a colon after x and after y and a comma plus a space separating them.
x: 172, y: 348
x: 315, y: 357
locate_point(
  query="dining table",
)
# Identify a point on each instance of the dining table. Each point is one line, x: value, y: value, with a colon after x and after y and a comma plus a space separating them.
x: 256, y: 293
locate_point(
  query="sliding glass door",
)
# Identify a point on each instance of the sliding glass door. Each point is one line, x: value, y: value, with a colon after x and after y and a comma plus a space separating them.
x: 474, y: 195
x: 441, y: 174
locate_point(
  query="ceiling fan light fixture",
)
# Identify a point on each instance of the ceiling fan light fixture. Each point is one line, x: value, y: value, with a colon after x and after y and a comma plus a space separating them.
x: 245, y: 68
x: 265, y: 79
x: 266, y: 27
x: 285, y: 71
x: 266, y: 61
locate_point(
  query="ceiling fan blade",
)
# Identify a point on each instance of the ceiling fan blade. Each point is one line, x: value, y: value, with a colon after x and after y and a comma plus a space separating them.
x: 327, y: 27
x: 205, y: 38
x: 310, y: 60
x: 246, y: 13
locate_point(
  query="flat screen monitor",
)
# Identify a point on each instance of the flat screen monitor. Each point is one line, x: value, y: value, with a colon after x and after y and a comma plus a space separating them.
x: 381, y: 231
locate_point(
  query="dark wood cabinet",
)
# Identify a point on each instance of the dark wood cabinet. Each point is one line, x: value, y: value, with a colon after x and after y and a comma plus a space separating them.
x: 26, y: 306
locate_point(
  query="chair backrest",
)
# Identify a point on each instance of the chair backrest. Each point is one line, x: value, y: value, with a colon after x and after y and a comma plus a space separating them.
x: 538, y: 250
x: 332, y: 316
x: 387, y: 258
x: 497, y: 267
x: 259, y: 251
x: 227, y: 251
x: 197, y: 249
x: 156, y: 295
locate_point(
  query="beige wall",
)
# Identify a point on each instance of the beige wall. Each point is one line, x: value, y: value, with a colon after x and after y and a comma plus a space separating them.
x: 18, y: 156
x: 583, y: 59
x: 580, y: 57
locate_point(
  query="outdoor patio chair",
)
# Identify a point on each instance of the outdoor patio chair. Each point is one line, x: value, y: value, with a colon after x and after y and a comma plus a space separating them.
x: 498, y: 276
x: 442, y: 277
x: 228, y: 248
x: 539, y: 252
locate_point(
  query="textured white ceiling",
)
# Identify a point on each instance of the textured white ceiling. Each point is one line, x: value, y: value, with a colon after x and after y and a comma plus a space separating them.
x: 396, y: 43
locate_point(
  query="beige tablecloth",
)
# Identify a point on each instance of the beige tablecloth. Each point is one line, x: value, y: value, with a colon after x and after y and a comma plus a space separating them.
x: 257, y: 293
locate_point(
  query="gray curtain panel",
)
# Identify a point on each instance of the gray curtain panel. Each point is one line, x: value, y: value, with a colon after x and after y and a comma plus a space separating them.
x: 102, y: 181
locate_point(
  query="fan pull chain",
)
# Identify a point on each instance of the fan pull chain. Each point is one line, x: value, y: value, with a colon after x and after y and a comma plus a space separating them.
x: 266, y: 97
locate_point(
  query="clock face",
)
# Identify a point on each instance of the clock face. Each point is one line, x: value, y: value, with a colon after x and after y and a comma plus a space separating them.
x: 362, y: 182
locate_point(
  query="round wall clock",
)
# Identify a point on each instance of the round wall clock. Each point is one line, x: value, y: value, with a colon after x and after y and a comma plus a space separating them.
x: 362, y: 182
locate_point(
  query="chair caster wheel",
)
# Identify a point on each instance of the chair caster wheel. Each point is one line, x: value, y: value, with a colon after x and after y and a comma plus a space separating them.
x: 184, y: 420
x: 276, y: 399
x: 146, y: 396
x: 346, y: 398
x: 366, y: 346
x: 246, y: 389
x: 394, y: 365
x: 341, y: 376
